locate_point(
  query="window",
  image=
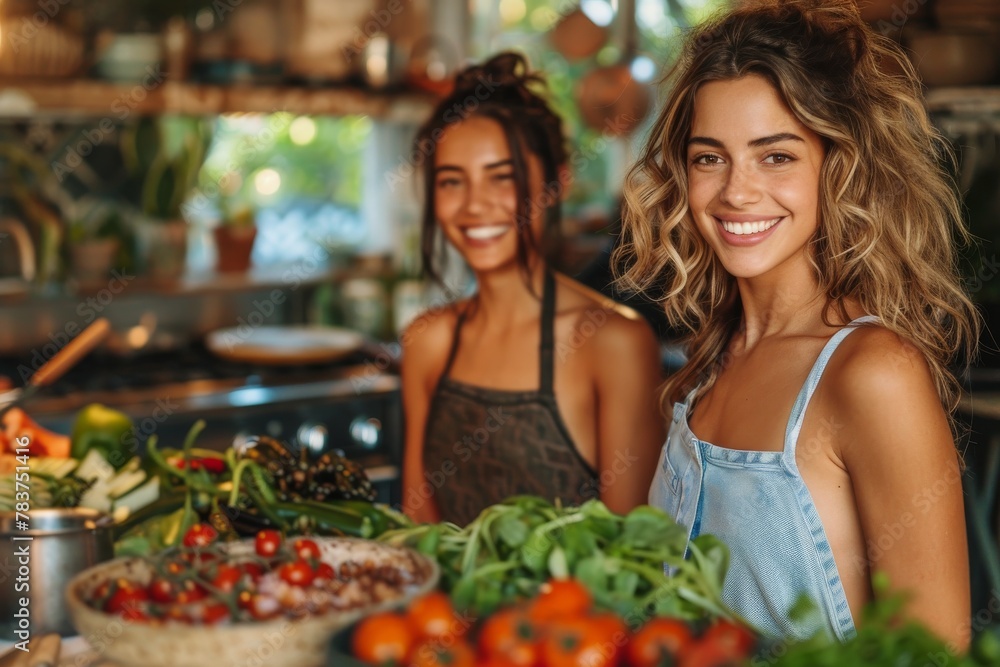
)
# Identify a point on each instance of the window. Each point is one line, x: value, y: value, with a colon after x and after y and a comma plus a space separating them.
x: 302, y: 176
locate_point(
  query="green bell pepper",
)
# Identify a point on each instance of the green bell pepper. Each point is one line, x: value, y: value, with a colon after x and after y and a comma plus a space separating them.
x: 109, y: 431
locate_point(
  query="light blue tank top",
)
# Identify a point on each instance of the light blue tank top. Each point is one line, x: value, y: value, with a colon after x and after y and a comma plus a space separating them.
x: 759, y: 506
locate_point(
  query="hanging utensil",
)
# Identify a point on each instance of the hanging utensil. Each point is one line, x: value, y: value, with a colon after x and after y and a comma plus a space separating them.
x: 610, y: 98
x: 577, y: 37
x: 56, y: 367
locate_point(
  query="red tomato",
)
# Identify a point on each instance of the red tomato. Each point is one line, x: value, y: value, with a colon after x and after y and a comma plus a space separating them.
x: 560, y: 598
x: 226, y: 577
x: 509, y: 635
x: 576, y: 642
x: 127, y: 597
x: 433, y: 616
x: 706, y: 654
x: 299, y: 573
x: 325, y: 571
x: 190, y: 592
x: 433, y: 653
x: 306, y: 549
x: 659, y: 637
x: 267, y: 543
x: 200, y: 535
x: 214, y: 612
x: 612, y: 633
x: 162, y: 590
x: 384, y: 638
x: 253, y: 569
x: 736, y: 640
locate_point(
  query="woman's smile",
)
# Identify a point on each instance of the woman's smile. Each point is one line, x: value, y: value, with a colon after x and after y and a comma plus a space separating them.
x: 744, y: 232
x: 483, y: 236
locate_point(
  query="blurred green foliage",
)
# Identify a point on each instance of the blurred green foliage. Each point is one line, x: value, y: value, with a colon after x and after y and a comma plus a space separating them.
x: 325, y: 163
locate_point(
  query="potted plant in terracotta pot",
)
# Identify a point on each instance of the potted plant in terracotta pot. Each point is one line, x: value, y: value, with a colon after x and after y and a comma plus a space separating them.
x: 234, y: 238
x: 163, y: 156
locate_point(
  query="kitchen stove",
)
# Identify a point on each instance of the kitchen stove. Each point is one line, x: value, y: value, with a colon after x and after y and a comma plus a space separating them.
x: 351, y: 406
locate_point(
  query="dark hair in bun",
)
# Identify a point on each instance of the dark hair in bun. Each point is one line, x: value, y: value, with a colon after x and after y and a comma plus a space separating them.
x: 502, y: 89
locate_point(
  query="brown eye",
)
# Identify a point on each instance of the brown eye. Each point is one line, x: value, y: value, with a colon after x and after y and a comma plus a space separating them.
x: 779, y: 158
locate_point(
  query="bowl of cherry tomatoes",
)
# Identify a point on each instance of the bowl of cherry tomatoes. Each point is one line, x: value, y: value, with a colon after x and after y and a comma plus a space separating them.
x: 263, y: 601
x: 558, y: 628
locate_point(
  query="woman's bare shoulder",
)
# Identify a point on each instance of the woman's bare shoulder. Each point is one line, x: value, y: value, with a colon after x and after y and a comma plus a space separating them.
x: 878, y: 367
x: 428, y: 337
x: 614, y: 327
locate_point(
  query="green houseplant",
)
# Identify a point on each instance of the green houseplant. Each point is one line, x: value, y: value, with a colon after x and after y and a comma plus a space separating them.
x: 163, y: 156
x: 99, y: 242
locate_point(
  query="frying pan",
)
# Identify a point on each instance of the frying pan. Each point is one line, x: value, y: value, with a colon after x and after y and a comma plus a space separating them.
x: 61, y: 361
x: 283, y: 345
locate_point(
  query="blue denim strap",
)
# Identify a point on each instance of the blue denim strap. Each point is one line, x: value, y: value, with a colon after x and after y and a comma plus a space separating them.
x: 812, y: 381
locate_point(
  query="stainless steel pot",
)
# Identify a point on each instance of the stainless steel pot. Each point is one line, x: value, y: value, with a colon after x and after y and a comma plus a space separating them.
x: 64, y: 542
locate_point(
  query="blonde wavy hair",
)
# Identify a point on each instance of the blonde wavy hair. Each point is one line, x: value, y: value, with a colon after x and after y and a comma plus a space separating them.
x: 890, y: 217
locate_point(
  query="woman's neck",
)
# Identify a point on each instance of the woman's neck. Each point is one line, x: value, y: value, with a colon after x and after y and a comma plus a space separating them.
x: 506, y: 294
x: 785, y: 305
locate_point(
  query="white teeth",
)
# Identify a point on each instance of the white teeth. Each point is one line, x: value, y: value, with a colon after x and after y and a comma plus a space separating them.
x: 486, y: 232
x: 741, y: 228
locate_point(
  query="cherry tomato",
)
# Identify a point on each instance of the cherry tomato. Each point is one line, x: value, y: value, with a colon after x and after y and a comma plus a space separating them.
x: 433, y: 653
x: 737, y: 640
x: 253, y: 569
x: 127, y: 596
x: 659, y: 637
x: 299, y: 573
x: 610, y: 630
x: 162, y: 590
x: 707, y: 654
x: 200, y: 535
x: 267, y: 543
x: 190, y: 592
x: 325, y: 571
x: 576, y: 642
x: 306, y: 549
x: 226, y: 577
x: 560, y: 598
x: 214, y: 612
x: 433, y: 616
x: 509, y: 635
x: 384, y: 638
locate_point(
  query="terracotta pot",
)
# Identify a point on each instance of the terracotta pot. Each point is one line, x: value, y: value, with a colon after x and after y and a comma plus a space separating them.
x: 235, y: 246
x: 93, y: 259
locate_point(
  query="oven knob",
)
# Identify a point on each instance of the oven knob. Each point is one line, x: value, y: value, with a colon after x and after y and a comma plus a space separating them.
x: 366, y: 432
x: 313, y: 436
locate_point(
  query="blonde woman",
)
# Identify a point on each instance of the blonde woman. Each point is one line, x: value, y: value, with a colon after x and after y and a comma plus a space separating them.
x: 791, y: 206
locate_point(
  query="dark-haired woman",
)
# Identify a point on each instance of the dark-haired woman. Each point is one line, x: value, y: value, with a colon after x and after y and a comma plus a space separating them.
x: 535, y: 385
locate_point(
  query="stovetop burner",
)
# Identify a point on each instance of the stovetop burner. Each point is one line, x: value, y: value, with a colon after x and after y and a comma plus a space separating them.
x: 203, y: 380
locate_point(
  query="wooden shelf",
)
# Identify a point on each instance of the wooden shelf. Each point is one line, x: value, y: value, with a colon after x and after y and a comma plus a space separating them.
x: 27, y: 97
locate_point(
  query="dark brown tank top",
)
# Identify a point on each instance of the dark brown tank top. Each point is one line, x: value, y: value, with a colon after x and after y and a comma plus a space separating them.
x: 483, y: 445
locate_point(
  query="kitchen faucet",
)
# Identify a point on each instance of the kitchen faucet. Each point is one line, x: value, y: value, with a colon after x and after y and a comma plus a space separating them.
x: 11, y: 228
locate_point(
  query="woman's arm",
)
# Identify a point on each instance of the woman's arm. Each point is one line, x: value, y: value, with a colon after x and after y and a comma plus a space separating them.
x: 630, y: 426
x: 899, y: 452
x: 425, y: 346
